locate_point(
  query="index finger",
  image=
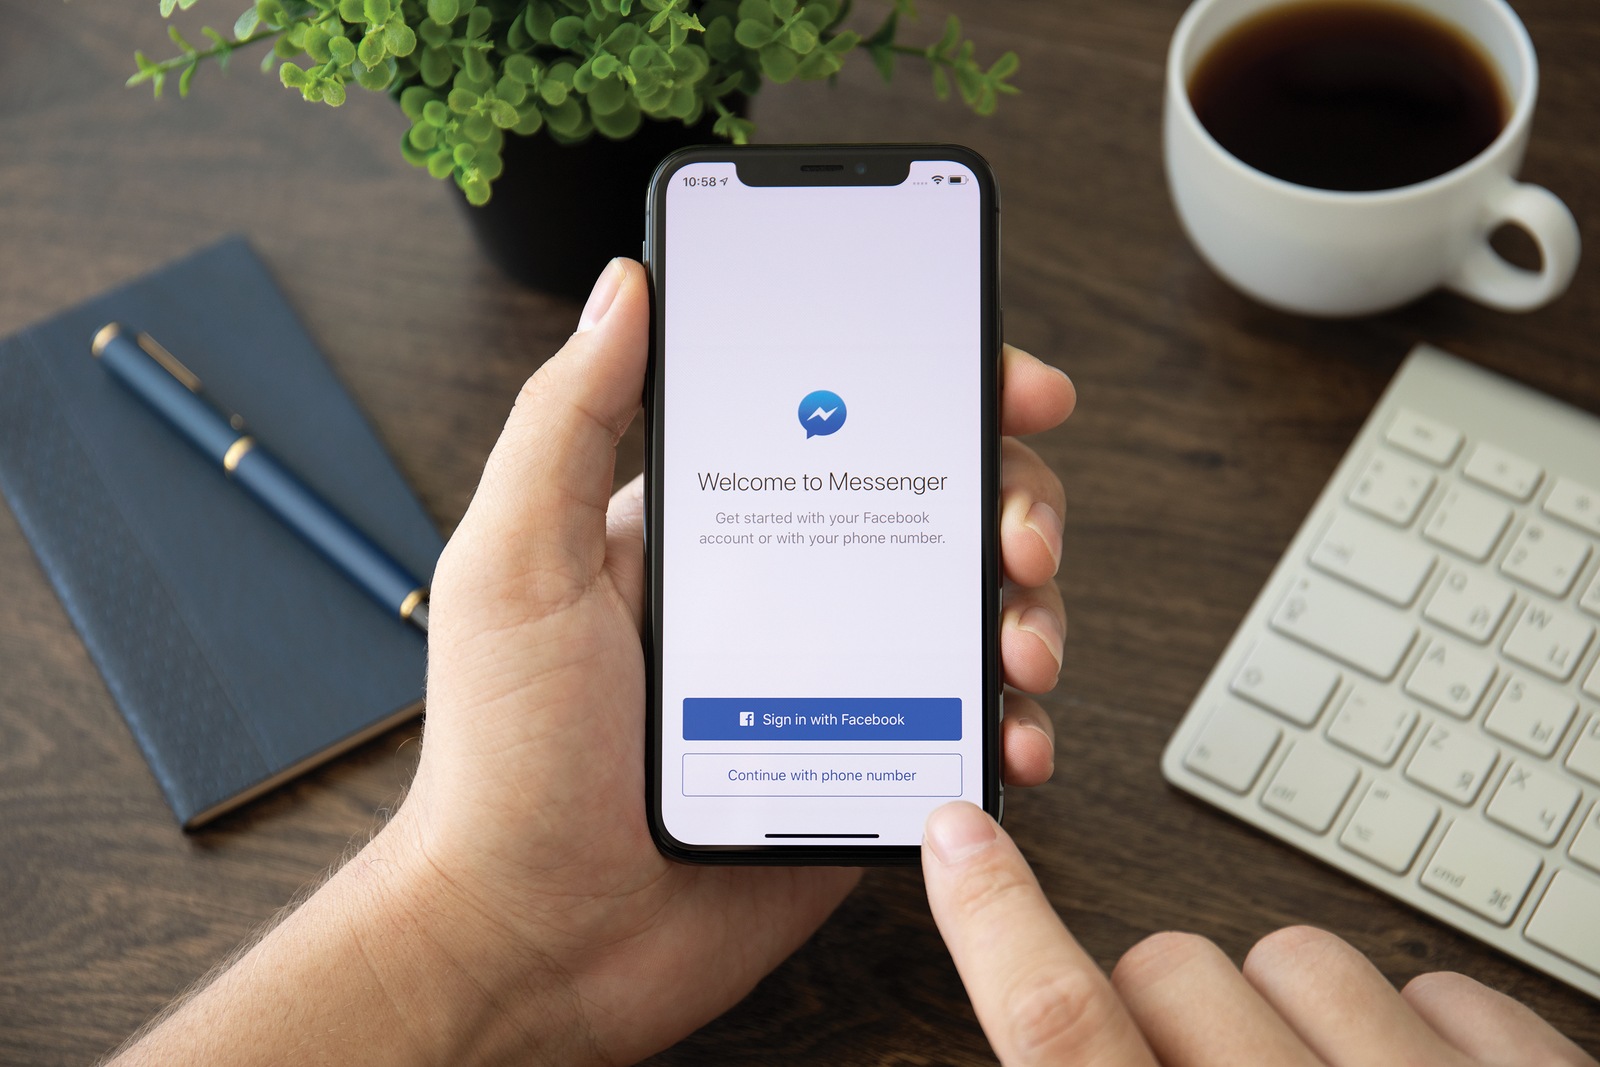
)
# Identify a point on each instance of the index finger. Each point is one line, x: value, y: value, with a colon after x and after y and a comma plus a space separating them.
x: 1034, y: 396
x: 1039, y: 996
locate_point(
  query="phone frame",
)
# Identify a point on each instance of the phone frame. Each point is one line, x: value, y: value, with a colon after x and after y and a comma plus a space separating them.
x: 829, y: 165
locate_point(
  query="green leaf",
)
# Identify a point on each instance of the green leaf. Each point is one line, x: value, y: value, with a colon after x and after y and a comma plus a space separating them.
x: 478, y: 22
x: 941, y: 84
x: 353, y: 12
x: 947, y: 42
x: 461, y: 101
x: 883, y: 59
x: 618, y: 124
x: 478, y: 127
x: 464, y: 154
x: 399, y: 39
x: 167, y: 7
x: 752, y: 33
x: 434, y: 34
x: 605, y: 64
x: 440, y: 165
x: 778, y: 63
x: 370, y: 50
x: 530, y: 122
x: 443, y: 11
x: 247, y: 23
x: 377, y: 11
x: 378, y: 78
x: 802, y: 37
x: 437, y: 68
x: 756, y: 10
x: 342, y: 51
x: 784, y: 9
x: 422, y: 136
x: 503, y: 114
x: 565, y: 32
x: 333, y: 92
x: 436, y: 113
x: 521, y: 68
x: 186, y: 77
x: 1004, y: 67
x: 477, y: 190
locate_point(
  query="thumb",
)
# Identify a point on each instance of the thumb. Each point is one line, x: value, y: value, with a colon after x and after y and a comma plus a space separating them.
x: 540, y: 508
x: 1039, y: 996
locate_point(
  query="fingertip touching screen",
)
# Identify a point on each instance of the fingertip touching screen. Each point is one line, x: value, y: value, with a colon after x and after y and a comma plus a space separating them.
x: 822, y: 506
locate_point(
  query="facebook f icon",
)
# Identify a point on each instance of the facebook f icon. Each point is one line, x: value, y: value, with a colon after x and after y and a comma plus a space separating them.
x: 747, y: 718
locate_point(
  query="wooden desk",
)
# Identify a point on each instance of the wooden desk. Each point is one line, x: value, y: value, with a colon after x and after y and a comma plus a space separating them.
x: 1207, y: 425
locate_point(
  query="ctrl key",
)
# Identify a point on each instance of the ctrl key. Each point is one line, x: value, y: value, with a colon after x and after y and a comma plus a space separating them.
x: 1482, y: 870
x: 1233, y: 747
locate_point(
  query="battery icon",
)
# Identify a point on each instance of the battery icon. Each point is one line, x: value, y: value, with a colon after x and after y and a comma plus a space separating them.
x: 958, y: 179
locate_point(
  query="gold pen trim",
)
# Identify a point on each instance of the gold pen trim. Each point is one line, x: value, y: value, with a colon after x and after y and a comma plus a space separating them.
x: 412, y: 600
x: 103, y: 336
x: 236, y: 453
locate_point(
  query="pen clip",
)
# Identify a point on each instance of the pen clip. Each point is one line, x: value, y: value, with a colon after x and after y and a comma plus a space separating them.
x: 168, y: 361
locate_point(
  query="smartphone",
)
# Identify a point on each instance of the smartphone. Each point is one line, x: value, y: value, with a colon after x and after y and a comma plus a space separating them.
x: 822, y: 472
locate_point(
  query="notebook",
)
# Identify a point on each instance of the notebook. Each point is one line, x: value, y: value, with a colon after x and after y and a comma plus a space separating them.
x: 237, y: 655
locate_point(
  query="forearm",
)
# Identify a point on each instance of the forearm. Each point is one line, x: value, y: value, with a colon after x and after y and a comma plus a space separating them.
x: 379, y: 966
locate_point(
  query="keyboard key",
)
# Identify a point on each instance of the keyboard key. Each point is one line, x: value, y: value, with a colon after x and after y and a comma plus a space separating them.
x: 1591, y: 684
x: 1310, y: 787
x: 1468, y: 522
x: 1564, y: 920
x: 1549, y: 640
x: 1481, y: 869
x: 1374, y: 557
x: 1233, y: 747
x: 1424, y: 437
x: 1452, y: 762
x: 1469, y: 603
x: 1389, y: 826
x: 1287, y: 679
x: 1534, y: 803
x: 1584, y: 759
x: 1590, y: 601
x: 1347, y: 625
x: 1451, y: 678
x: 1586, y: 846
x: 1503, y: 472
x: 1575, y: 503
x: 1373, y: 723
x: 1531, y: 715
x: 1392, y: 488
x: 1546, y: 558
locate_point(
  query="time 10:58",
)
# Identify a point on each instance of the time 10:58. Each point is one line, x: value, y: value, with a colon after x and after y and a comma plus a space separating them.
x: 704, y: 180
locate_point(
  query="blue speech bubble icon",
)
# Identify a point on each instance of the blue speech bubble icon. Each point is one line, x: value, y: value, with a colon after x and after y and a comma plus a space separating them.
x: 822, y: 413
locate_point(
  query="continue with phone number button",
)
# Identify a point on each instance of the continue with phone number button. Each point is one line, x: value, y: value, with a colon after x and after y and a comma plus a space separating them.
x: 821, y: 774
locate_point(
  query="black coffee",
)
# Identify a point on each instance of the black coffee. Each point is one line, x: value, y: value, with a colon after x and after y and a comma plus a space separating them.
x: 1348, y: 94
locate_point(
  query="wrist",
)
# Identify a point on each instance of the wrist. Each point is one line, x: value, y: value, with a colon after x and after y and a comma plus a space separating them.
x: 462, y: 985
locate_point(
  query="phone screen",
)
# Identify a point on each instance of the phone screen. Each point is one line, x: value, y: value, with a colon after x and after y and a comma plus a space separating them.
x: 825, y: 370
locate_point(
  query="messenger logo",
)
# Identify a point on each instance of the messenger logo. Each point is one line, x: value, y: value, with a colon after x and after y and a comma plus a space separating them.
x: 822, y: 413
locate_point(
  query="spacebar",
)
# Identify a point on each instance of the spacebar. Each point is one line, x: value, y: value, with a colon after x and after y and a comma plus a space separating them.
x: 1346, y: 624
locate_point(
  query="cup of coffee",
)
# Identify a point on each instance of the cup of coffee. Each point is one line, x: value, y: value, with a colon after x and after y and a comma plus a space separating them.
x: 1342, y: 157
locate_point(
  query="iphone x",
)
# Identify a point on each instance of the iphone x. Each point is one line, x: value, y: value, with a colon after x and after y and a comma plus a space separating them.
x: 822, y: 479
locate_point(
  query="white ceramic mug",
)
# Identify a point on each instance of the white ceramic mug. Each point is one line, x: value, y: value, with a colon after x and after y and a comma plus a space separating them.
x: 1324, y: 252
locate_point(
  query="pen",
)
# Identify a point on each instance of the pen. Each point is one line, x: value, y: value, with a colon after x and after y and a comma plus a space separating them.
x: 155, y: 376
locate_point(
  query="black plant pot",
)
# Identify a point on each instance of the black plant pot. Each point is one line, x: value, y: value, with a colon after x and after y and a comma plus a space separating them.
x: 559, y: 212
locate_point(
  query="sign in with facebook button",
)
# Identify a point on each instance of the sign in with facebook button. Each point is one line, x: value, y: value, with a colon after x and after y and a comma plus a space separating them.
x: 822, y: 718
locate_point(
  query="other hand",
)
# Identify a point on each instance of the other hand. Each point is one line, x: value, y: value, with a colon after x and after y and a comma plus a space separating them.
x: 1303, y: 997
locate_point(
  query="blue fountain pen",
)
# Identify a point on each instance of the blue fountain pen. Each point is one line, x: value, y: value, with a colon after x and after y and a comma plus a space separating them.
x: 155, y: 376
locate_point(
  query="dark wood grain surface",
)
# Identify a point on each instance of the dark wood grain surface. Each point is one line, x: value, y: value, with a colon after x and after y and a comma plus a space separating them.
x: 1207, y: 425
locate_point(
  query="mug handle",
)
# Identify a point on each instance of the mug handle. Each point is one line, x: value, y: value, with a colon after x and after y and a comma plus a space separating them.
x: 1487, y: 278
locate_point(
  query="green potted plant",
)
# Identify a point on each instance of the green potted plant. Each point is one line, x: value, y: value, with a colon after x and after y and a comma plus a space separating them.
x: 550, y: 114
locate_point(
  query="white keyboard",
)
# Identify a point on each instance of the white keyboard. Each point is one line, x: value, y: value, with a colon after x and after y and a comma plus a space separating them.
x: 1415, y: 695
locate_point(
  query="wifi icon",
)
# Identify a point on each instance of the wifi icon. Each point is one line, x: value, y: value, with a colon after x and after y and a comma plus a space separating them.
x: 937, y: 179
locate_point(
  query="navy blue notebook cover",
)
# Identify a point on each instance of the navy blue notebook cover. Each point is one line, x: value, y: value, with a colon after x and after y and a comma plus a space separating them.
x: 237, y: 655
